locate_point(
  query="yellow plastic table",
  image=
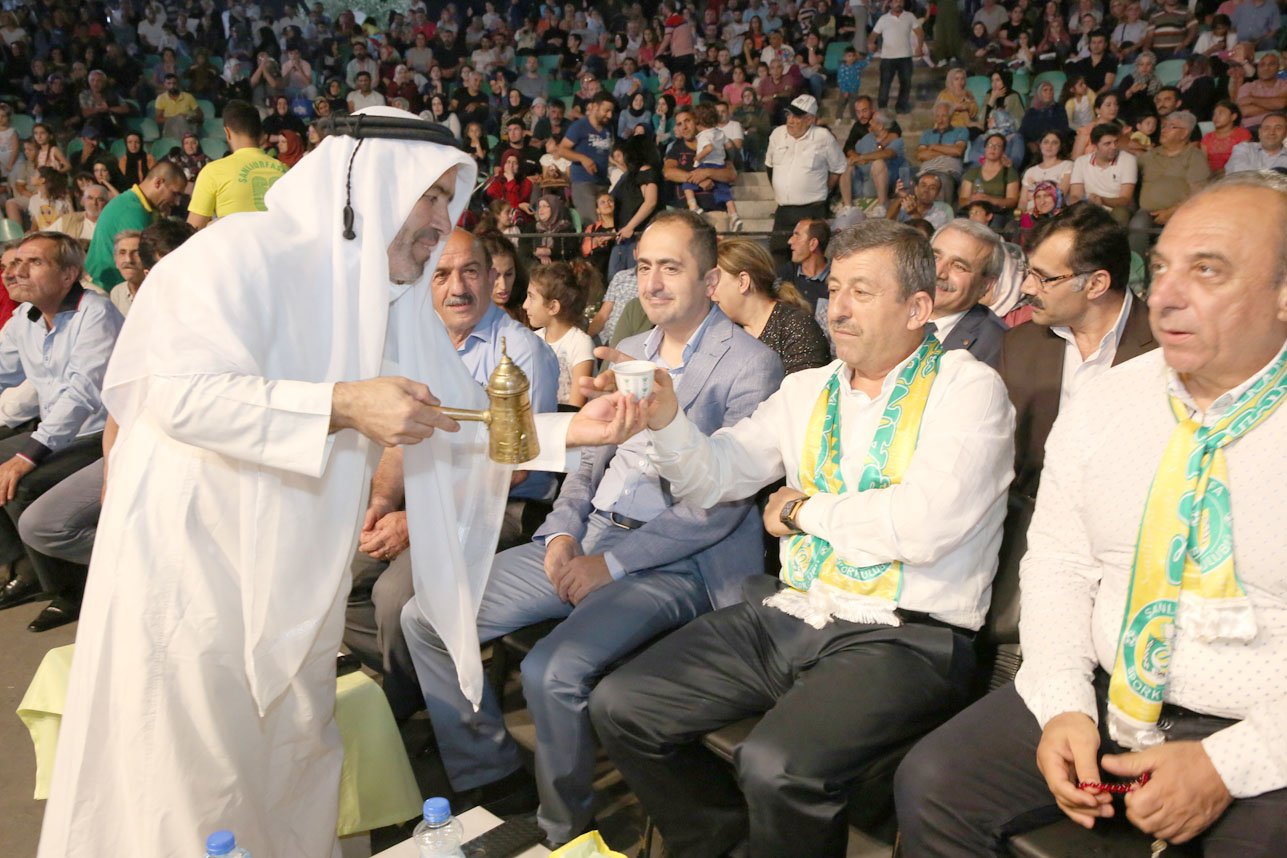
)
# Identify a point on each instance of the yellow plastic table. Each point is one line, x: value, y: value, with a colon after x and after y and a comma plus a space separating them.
x: 377, y: 787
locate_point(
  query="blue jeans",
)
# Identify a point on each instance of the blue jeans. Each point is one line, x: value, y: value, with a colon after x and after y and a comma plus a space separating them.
x: 622, y: 257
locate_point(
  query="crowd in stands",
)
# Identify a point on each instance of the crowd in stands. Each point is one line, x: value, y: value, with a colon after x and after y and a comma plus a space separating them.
x: 1065, y: 138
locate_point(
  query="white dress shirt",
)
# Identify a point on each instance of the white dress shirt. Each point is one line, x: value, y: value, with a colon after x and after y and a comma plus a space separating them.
x: 943, y: 521
x: 1078, y: 371
x: 802, y: 164
x: 944, y: 326
x: 1100, y: 463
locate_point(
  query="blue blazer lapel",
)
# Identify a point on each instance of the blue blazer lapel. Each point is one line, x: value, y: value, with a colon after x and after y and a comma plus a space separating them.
x: 715, y: 342
x: 966, y: 330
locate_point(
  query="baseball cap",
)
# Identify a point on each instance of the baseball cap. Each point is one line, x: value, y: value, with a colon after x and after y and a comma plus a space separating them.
x: 804, y: 104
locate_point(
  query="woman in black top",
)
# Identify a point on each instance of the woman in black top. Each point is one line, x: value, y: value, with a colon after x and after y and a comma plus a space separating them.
x: 636, y: 193
x: 776, y: 314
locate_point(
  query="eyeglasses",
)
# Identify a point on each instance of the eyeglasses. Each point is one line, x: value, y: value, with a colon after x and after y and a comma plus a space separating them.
x: 1045, y: 283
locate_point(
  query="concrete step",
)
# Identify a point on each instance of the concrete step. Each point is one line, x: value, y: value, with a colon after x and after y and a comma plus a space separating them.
x: 754, y: 209
x: 753, y: 180
x: 757, y: 224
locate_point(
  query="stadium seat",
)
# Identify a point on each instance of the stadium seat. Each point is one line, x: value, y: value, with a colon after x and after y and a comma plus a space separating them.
x: 1170, y: 72
x: 149, y: 130
x: 1122, y: 71
x: 548, y: 63
x: 1022, y: 83
x: 214, y: 147
x: 217, y: 62
x: 212, y: 127
x: 74, y: 147
x: 9, y: 230
x: 207, y: 107
x: 979, y: 86
x: 22, y: 123
x: 162, y: 146
x: 118, y: 148
x: 559, y: 88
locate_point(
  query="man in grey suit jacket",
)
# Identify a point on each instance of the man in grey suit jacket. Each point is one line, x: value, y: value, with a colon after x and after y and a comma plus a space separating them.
x: 968, y: 258
x: 619, y: 560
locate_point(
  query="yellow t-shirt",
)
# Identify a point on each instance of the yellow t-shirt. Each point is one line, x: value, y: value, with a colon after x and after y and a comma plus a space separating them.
x: 236, y: 183
x: 171, y: 107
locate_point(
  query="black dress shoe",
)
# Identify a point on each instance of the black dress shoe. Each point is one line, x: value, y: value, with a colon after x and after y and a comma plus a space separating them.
x: 19, y: 591
x: 512, y: 795
x: 57, y: 613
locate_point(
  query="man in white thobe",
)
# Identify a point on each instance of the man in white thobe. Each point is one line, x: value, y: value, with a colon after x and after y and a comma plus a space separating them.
x: 256, y: 369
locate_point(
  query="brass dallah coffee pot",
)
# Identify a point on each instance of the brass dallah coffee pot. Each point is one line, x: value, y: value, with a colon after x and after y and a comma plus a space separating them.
x: 511, y: 428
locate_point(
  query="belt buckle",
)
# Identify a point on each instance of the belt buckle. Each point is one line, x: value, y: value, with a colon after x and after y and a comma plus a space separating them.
x: 612, y: 518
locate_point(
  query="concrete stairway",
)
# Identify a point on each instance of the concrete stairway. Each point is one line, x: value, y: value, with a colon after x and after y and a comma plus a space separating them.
x: 754, y: 194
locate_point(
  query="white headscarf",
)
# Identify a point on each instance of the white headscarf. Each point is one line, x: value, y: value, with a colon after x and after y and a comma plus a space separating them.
x: 280, y: 295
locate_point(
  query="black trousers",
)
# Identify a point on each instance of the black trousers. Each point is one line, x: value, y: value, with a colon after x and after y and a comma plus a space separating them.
x: 972, y: 783
x: 784, y: 220
x: 832, y: 699
x: 60, y: 577
x: 902, y: 68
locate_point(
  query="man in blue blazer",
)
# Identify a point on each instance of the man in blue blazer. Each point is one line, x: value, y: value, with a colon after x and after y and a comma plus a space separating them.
x: 618, y: 559
x: 968, y: 258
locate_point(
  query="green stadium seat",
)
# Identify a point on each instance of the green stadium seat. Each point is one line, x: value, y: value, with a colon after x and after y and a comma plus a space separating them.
x: 214, y: 147
x: 207, y: 107
x: 22, y: 123
x: 979, y: 86
x: 835, y: 53
x: 149, y: 130
x: 212, y: 127
x: 1022, y: 83
x: 217, y: 62
x: 492, y: 141
x: 559, y: 88
x: 161, y: 148
x: 74, y: 147
x: 548, y: 62
x: 9, y: 230
x: 576, y: 219
x: 1122, y: 71
x: 1170, y: 72
x: 118, y: 148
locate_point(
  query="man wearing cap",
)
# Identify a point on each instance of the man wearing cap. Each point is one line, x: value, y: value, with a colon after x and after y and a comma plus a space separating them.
x: 238, y: 182
x: 804, y: 164
x: 203, y: 687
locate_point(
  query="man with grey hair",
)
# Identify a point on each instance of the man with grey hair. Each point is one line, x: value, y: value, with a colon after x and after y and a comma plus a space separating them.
x: 1266, y: 154
x: 897, y: 457
x: 804, y: 163
x: 1170, y: 173
x: 968, y: 257
x: 81, y: 224
x: 60, y: 340
x: 1140, y: 660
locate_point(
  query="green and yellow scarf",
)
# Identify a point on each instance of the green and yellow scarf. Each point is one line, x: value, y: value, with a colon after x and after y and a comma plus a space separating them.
x: 810, y: 560
x: 1185, y: 546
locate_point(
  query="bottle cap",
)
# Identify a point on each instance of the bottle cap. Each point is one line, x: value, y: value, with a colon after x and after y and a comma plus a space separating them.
x: 220, y: 843
x: 437, y: 811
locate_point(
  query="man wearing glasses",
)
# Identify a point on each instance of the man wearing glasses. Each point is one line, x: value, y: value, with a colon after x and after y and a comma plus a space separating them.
x: 1170, y: 173
x: 1084, y: 321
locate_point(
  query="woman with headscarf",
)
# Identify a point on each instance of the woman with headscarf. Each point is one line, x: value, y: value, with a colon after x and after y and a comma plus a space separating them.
x: 1043, y: 116
x: 1047, y: 201
x: 436, y: 111
x: 552, y: 218
x: 510, y: 184
x: 635, y: 118
x: 1053, y: 167
x: 137, y: 161
x: 404, y: 85
x: 1139, y: 87
x: 965, y: 109
x: 1001, y: 96
x: 516, y: 108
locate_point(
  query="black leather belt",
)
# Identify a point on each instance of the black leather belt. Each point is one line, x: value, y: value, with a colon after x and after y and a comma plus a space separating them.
x: 921, y: 618
x: 622, y: 521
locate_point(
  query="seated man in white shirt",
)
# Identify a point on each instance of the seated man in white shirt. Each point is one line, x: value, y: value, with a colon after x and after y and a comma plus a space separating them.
x: 1152, y: 635
x: 1268, y: 153
x: 897, y: 458
x: 1105, y: 175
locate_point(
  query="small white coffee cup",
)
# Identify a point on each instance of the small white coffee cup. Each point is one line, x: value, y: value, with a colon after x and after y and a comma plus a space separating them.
x: 635, y: 377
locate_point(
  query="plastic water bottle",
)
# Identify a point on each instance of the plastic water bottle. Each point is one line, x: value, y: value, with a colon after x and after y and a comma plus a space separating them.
x: 439, y: 834
x: 222, y: 844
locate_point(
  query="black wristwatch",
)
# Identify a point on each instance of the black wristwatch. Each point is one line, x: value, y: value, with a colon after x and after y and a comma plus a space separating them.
x: 790, y: 510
